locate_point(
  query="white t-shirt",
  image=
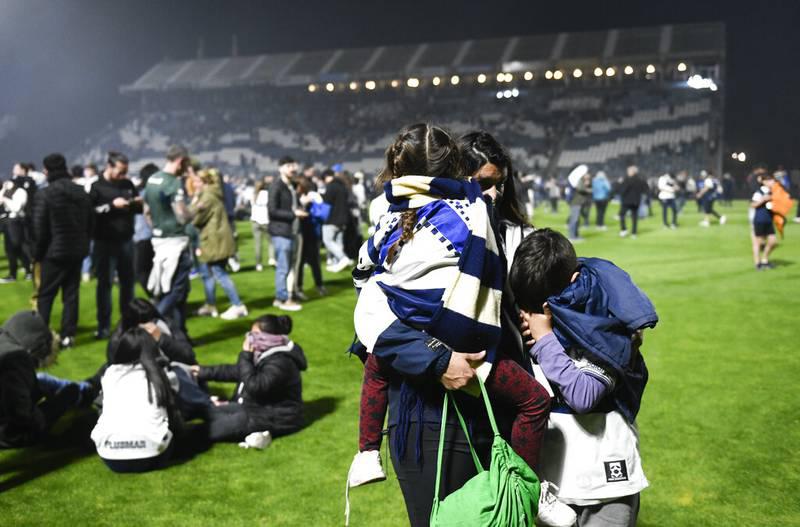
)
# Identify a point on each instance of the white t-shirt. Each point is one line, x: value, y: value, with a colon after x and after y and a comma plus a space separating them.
x: 592, y: 458
x: 258, y: 211
x: 130, y: 426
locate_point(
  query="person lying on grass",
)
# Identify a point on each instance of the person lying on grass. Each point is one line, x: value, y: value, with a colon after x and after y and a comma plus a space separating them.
x: 269, y: 392
x: 584, y: 318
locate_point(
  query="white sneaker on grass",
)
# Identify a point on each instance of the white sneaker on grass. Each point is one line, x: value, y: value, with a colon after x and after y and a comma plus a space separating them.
x: 723, y: 220
x: 259, y: 268
x: 705, y: 223
x: 552, y: 512
x: 234, y: 312
x: 207, y: 310
x: 257, y: 440
x: 234, y: 264
x: 287, y: 305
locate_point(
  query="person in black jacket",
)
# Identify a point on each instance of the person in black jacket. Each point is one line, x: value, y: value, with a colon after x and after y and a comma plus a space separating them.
x: 336, y: 195
x: 269, y: 390
x: 62, y: 221
x: 115, y: 201
x: 631, y: 190
x: 284, y: 227
x: 25, y: 345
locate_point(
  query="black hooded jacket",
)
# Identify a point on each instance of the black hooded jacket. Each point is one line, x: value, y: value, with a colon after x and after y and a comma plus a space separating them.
x: 62, y: 220
x: 23, y: 338
x: 270, y: 390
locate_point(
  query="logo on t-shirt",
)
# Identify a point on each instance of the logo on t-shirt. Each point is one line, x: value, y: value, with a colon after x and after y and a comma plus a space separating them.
x: 616, y: 471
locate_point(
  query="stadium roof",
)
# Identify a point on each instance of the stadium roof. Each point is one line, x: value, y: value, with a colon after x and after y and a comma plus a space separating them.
x: 659, y: 44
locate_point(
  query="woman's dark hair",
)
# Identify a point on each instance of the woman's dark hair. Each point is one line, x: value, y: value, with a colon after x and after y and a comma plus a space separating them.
x: 139, y: 311
x: 479, y: 148
x: 275, y: 324
x: 137, y: 346
x: 144, y: 174
x: 543, y: 266
x: 419, y: 150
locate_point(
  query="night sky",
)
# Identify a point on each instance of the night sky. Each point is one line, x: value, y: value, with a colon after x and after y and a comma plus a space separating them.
x: 62, y: 61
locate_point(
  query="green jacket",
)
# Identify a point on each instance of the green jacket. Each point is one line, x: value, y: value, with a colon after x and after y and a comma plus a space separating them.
x: 209, y: 216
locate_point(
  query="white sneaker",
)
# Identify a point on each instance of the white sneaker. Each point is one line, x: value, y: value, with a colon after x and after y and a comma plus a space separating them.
x: 207, y: 310
x: 86, y: 277
x: 365, y: 468
x: 257, y: 440
x: 341, y: 265
x: 723, y: 220
x: 552, y: 512
x: 622, y: 234
x: 234, y: 264
x: 234, y: 312
x: 796, y: 219
x: 287, y: 305
x: 259, y: 267
x: 272, y: 262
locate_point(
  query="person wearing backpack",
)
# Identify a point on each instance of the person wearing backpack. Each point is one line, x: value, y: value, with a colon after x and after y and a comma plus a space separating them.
x: 17, y: 200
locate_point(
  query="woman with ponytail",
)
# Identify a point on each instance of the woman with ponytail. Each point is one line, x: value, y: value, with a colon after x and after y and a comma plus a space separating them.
x: 269, y: 392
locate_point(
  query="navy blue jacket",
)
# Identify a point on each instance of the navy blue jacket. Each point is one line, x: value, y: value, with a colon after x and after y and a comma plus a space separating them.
x: 600, y: 313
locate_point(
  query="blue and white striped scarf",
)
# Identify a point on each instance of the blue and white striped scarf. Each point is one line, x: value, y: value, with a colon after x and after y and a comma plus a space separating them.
x: 447, y: 280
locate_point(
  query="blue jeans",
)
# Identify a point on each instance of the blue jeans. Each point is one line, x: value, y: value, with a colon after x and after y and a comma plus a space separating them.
x: 213, y: 273
x: 172, y: 305
x: 574, y: 220
x: 283, y: 257
x: 50, y: 385
x: 112, y: 258
x: 333, y: 238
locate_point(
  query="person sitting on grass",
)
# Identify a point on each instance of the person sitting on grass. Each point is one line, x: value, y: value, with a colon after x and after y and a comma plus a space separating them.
x: 763, y: 231
x: 585, y: 318
x: 29, y: 406
x: 268, y: 398
x: 135, y: 431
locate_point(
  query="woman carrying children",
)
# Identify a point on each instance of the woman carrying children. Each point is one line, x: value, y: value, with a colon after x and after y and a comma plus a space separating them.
x: 269, y: 393
x: 439, y: 233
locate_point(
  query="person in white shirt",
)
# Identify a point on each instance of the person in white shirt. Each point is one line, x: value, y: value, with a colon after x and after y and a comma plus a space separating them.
x: 667, y: 192
x: 706, y: 198
x: 135, y: 430
x: 259, y: 220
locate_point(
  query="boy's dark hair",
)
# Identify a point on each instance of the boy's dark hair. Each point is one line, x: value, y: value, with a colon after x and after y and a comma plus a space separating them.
x: 115, y: 157
x: 543, y: 266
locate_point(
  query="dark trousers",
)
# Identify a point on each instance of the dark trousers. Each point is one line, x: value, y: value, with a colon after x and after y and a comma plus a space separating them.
x: 66, y: 276
x: 417, y: 480
x: 15, y: 246
x: 143, y: 261
x: 172, y: 305
x: 110, y: 259
x: 623, y: 211
x: 600, y: 207
x: 140, y: 465
x: 310, y: 256
x: 669, y: 204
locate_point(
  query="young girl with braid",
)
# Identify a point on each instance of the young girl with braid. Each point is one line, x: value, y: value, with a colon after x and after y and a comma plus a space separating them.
x: 434, y: 269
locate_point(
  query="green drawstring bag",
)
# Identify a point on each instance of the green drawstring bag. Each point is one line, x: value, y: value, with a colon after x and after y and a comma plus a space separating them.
x: 506, y: 495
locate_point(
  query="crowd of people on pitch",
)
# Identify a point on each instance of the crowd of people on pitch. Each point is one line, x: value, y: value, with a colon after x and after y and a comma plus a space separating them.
x: 457, y: 295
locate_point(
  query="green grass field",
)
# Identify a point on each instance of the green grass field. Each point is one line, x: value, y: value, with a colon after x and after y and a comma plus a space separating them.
x: 720, y: 423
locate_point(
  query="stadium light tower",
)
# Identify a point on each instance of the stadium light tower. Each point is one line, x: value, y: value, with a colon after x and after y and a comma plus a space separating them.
x: 312, y: 88
x: 598, y: 71
x: 329, y: 86
x: 395, y: 83
x: 629, y: 70
x: 558, y: 74
x: 436, y: 81
x: 454, y: 80
x: 509, y: 77
x: 682, y: 66
x: 577, y: 73
x: 370, y: 85
x: 353, y: 85
x: 528, y: 75
x: 501, y: 77
x: 548, y: 74
x: 412, y: 82
x: 610, y: 72
x: 481, y: 78
x: 650, y: 69
x: 742, y: 157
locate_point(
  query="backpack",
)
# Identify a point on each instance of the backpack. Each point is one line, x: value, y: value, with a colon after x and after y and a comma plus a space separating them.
x: 506, y: 495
